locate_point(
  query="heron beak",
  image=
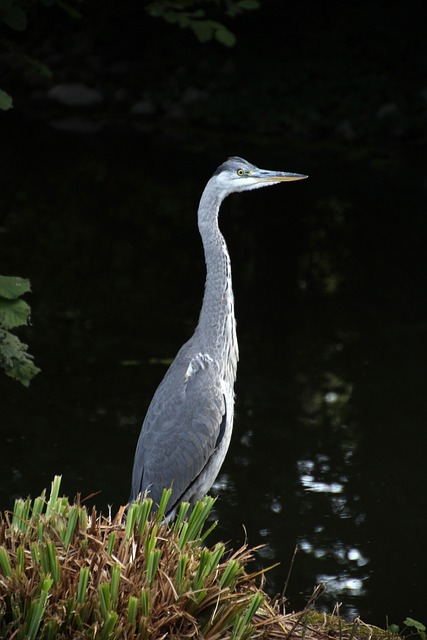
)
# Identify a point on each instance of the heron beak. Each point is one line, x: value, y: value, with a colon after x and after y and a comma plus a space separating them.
x: 262, y: 175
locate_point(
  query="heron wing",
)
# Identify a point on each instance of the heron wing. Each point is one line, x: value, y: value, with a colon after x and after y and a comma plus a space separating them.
x: 184, y: 424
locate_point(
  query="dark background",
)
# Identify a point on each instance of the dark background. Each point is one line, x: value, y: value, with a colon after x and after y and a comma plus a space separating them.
x: 102, y: 166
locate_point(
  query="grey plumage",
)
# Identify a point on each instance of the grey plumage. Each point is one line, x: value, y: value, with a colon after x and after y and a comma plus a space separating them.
x: 187, y: 429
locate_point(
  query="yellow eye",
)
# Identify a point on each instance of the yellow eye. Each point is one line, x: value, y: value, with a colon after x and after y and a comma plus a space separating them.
x: 240, y: 172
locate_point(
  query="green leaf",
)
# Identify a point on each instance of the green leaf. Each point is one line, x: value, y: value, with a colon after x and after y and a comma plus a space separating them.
x: 14, y: 313
x: 72, y: 12
x: 410, y: 622
x: 5, y: 100
x: 15, y: 18
x: 12, y: 287
x: 225, y: 37
x: 203, y: 30
x: 248, y: 4
x: 234, y: 8
x: 11, y: 347
x: 41, y: 68
x: 14, y: 360
x: 393, y: 628
x: 23, y: 371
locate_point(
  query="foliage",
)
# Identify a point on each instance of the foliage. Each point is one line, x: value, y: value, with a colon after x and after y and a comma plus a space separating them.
x: 410, y: 627
x: 5, y: 100
x: 15, y: 14
x: 14, y: 312
x: 189, y: 14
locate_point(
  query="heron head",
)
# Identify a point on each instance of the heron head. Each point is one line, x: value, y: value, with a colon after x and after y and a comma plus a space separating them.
x: 237, y: 174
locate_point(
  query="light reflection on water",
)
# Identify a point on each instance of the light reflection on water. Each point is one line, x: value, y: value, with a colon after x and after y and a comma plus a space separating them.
x: 325, y: 493
x: 319, y: 476
x: 329, y: 517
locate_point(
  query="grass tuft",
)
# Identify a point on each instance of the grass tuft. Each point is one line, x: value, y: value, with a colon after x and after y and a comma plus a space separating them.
x: 66, y: 573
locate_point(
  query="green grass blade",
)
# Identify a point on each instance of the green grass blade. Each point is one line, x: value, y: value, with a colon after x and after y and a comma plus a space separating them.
x: 208, y: 531
x: 82, y: 586
x: 131, y: 519
x: 52, y: 504
x: 83, y: 519
x: 150, y: 541
x: 114, y: 590
x: 153, y: 566
x: 111, y: 542
x: 5, y: 562
x: 73, y: 518
x: 145, y: 602
x: 110, y: 622
x: 257, y: 601
x: 20, y: 558
x: 104, y: 598
x: 44, y: 559
x: 216, y: 556
x: 21, y: 513
x: 202, y: 569
x: 54, y: 566
x: 183, y: 536
x: 36, y: 610
x: 40, y: 530
x: 143, y: 513
x: 164, y: 500
x: 38, y: 506
x: 182, y: 512
x: 242, y: 628
x: 132, y: 609
x: 50, y: 630
x: 180, y: 573
x: 35, y: 553
x: 230, y: 573
x: 197, y: 519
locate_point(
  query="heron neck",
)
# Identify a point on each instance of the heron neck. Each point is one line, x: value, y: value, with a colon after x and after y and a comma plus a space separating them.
x: 216, y: 329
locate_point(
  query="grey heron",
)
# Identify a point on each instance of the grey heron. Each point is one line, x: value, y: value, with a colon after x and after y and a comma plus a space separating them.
x: 187, y: 428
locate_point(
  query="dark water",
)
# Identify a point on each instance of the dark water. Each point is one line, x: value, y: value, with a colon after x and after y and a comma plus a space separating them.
x: 329, y: 447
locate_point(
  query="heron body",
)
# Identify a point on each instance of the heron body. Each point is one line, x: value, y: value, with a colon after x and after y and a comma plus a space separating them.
x: 187, y: 429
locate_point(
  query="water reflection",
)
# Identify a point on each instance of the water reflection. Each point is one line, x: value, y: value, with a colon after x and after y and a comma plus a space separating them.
x: 327, y: 407
x: 324, y: 490
x: 308, y: 481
